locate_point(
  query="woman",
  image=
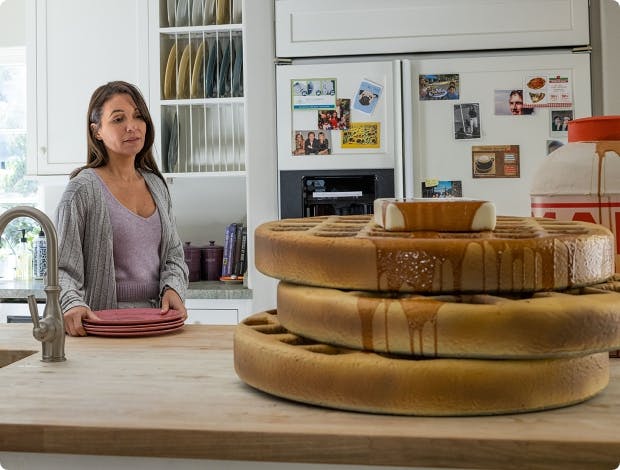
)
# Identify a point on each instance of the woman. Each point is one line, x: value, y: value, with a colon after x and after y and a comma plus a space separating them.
x: 299, y: 145
x: 118, y: 244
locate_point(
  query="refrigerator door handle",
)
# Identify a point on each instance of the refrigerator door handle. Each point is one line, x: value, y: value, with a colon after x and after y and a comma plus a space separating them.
x: 398, y: 129
x: 407, y: 128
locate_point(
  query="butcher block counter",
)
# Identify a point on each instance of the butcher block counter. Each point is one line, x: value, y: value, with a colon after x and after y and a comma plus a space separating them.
x: 177, y: 396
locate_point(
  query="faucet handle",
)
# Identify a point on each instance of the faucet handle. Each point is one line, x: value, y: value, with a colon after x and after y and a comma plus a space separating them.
x: 34, y: 310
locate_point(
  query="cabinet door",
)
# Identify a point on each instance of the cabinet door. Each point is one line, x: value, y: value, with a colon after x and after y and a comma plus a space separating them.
x: 353, y: 27
x: 73, y: 47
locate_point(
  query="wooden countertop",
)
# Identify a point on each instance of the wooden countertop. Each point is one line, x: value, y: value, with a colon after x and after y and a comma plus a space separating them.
x: 178, y: 396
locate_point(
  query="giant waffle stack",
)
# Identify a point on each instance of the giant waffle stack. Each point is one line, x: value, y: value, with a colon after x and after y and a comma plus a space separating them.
x: 391, y: 315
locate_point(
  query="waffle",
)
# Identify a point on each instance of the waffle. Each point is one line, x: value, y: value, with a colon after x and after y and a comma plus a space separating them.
x: 546, y: 324
x: 522, y: 254
x: 273, y: 360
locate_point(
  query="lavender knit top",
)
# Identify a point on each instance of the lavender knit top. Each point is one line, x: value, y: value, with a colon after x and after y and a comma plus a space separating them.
x: 136, y: 242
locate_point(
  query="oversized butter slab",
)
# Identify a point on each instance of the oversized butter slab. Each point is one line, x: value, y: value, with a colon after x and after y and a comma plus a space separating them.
x: 442, y: 215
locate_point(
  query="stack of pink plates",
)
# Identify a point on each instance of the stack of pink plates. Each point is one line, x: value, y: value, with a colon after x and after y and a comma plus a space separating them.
x: 131, y: 322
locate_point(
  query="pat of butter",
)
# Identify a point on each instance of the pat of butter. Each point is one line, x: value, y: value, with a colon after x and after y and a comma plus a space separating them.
x: 441, y: 215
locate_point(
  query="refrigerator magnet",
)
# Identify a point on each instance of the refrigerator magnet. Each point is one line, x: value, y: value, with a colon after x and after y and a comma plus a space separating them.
x: 467, y: 121
x: 362, y: 135
x: 439, y: 87
x: 367, y: 96
x: 314, y: 93
x: 495, y: 161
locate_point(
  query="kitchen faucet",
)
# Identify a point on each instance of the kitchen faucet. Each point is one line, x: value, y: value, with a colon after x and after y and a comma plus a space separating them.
x: 50, y: 330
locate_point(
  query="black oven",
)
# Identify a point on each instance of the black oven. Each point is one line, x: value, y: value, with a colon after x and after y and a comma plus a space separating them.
x: 305, y: 193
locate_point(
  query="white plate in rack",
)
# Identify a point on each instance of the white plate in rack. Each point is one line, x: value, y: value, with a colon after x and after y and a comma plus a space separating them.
x: 236, y: 11
x: 208, y: 12
x: 182, y: 13
x: 197, y: 14
x: 171, y: 7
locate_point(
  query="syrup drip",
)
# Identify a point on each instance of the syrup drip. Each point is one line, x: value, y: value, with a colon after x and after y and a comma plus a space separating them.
x: 530, y: 265
x: 419, y: 313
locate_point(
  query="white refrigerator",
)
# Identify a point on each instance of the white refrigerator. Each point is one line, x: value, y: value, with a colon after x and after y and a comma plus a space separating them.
x: 439, y: 141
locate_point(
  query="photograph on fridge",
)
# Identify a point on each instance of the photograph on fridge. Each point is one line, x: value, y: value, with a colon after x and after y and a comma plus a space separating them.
x: 311, y: 142
x: 367, y: 96
x: 553, y: 90
x: 438, y: 87
x: 495, y: 161
x: 313, y: 93
x: 335, y: 119
x: 467, y: 121
x: 510, y: 102
x: 559, y: 121
x: 553, y: 145
x: 362, y: 135
x: 433, y: 188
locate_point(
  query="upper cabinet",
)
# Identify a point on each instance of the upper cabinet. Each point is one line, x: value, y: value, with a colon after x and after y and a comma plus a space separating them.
x: 353, y: 27
x: 69, y: 56
x: 198, y: 80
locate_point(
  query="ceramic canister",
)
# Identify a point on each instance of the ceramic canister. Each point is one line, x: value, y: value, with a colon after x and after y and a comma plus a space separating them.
x: 212, y: 261
x: 192, y: 259
x: 581, y: 180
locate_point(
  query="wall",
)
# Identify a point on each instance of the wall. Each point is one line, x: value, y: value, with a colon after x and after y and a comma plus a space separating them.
x: 610, y: 51
x: 191, y: 197
x: 12, y: 23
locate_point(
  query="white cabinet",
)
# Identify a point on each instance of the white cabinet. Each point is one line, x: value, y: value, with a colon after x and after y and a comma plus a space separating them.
x: 73, y: 47
x: 217, y: 311
x: 353, y: 27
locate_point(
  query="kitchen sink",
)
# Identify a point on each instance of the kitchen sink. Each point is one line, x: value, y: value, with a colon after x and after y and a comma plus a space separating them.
x: 9, y: 356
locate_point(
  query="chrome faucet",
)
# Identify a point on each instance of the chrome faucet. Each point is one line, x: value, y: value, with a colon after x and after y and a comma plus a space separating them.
x: 50, y: 330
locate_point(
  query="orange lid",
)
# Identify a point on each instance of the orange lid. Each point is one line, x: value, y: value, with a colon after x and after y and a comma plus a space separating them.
x: 594, y: 128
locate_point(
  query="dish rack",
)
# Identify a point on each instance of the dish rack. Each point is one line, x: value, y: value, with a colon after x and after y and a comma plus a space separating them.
x: 202, y: 96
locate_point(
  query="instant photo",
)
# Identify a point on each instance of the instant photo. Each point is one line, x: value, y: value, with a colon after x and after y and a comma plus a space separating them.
x: 467, y: 121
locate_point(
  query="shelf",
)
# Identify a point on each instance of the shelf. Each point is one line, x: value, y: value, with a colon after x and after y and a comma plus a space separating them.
x: 202, y: 106
x: 201, y: 29
x: 202, y: 101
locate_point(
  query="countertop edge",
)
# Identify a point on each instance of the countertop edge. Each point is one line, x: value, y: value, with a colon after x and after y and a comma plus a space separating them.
x: 219, y: 444
x: 20, y: 290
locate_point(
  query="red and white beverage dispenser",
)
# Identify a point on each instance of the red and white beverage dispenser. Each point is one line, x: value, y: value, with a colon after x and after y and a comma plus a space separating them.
x: 581, y: 180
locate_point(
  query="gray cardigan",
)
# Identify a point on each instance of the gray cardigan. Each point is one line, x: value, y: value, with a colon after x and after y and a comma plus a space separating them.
x: 85, y: 255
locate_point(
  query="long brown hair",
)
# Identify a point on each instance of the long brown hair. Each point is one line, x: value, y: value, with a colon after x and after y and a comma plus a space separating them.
x: 97, y: 152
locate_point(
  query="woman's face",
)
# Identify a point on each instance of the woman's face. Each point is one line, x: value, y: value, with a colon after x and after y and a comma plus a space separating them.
x: 122, y: 127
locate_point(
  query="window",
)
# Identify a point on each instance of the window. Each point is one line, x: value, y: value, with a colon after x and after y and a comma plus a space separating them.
x: 15, y: 188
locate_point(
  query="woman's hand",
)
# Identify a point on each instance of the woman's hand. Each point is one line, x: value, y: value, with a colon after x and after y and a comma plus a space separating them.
x: 172, y: 300
x: 73, y: 320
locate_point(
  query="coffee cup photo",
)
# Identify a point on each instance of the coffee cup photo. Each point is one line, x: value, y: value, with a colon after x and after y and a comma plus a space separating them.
x: 484, y: 163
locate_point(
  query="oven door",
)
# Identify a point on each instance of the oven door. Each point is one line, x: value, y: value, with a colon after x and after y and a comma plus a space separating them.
x: 307, y: 193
